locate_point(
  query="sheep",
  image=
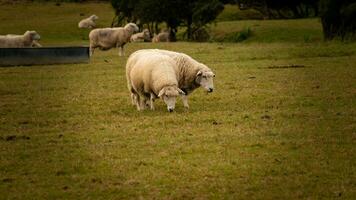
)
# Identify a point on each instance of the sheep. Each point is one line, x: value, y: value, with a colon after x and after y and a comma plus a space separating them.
x: 107, y: 38
x: 35, y: 43
x: 191, y: 74
x: 161, y: 37
x: 28, y: 39
x: 151, y: 75
x: 88, y: 22
x: 144, y: 36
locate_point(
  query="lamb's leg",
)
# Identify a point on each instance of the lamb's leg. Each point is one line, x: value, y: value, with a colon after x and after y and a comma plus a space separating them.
x: 152, y: 98
x: 185, y: 101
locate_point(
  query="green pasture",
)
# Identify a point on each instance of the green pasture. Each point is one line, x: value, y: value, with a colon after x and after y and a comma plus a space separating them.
x: 280, y: 124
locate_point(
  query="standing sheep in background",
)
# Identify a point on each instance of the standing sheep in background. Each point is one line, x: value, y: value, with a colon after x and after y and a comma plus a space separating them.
x: 144, y: 36
x: 88, y: 22
x: 28, y: 39
x: 161, y: 37
x: 35, y: 43
x: 150, y: 75
x: 107, y: 38
x: 191, y: 74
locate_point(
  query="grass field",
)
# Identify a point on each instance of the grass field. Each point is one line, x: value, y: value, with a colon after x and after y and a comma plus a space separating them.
x: 280, y: 125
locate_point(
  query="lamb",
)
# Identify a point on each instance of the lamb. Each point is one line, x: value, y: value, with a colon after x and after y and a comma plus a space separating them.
x: 161, y: 37
x: 191, y: 74
x: 28, y: 39
x: 144, y: 36
x: 88, y: 22
x: 151, y: 75
x: 107, y: 38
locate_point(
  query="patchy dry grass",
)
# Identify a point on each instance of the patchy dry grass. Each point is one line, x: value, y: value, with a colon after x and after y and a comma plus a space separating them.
x: 270, y: 131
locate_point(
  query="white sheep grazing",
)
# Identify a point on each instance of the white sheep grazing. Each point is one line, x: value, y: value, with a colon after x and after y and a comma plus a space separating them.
x: 35, y: 43
x: 144, y: 36
x: 191, y: 74
x: 161, y: 37
x: 19, y: 41
x: 88, y: 22
x: 107, y: 38
x: 150, y: 75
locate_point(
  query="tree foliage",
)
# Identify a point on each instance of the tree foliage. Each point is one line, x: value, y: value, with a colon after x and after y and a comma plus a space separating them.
x: 338, y: 18
x: 192, y: 14
x: 282, y: 8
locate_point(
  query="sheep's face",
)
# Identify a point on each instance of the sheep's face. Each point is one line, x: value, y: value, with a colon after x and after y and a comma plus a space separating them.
x: 146, y: 34
x: 169, y: 95
x: 33, y: 34
x: 94, y: 17
x: 133, y: 28
x: 205, y: 80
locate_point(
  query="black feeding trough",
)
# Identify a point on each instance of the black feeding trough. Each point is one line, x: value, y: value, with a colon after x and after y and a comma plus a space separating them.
x: 43, y: 55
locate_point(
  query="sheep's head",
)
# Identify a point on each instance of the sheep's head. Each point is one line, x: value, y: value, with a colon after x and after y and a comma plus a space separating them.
x: 146, y: 34
x: 169, y: 95
x: 33, y: 35
x: 205, y: 79
x: 94, y: 17
x: 131, y: 27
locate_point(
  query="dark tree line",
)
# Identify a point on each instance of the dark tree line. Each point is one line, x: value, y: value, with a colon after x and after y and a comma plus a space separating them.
x: 338, y: 17
x: 192, y: 14
x: 282, y: 8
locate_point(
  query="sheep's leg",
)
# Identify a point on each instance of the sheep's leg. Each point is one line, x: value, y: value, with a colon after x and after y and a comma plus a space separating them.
x: 121, y: 51
x: 185, y: 101
x: 152, y: 98
x: 137, y: 101
x: 91, y: 50
x: 133, y: 99
x: 143, y: 103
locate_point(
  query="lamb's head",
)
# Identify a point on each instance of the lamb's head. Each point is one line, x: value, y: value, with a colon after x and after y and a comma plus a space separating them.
x: 131, y: 27
x: 205, y: 79
x: 33, y: 35
x: 169, y: 95
x: 94, y: 17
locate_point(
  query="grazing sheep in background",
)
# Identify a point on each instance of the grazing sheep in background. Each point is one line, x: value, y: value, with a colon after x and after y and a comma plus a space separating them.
x: 144, y: 36
x: 150, y: 75
x: 107, y: 38
x: 35, y: 43
x: 88, y: 22
x: 28, y: 39
x: 191, y: 74
x: 161, y: 37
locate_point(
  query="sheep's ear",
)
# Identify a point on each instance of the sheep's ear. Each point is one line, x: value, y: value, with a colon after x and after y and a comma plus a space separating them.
x: 163, y: 90
x: 181, y: 92
x: 199, y: 73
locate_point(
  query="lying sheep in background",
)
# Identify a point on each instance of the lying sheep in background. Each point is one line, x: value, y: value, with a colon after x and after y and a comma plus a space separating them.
x: 161, y: 37
x: 150, y: 75
x: 107, y: 38
x: 88, y: 22
x: 190, y: 73
x: 144, y: 36
x: 28, y: 39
